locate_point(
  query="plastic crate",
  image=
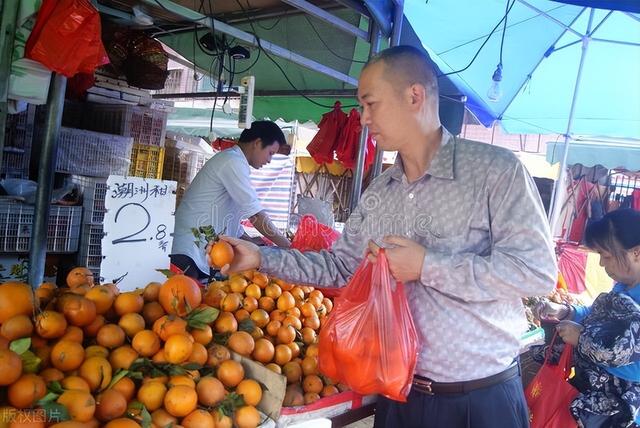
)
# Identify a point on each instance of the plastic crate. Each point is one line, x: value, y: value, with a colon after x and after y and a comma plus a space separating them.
x: 94, y: 192
x: 16, y: 221
x: 143, y: 124
x: 17, y: 143
x: 90, y: 250
x: 92, y: 153
x: 146, y: 161
x: 182, y: 167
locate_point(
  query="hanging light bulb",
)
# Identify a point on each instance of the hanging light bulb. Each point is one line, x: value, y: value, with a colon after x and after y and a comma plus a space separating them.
x: 495, y: 92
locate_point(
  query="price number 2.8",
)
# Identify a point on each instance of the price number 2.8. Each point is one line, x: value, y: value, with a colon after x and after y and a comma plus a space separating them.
x: 132, y: 210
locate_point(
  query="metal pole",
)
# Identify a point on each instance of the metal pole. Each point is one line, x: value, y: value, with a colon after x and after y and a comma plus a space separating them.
x: 53, y: 119
x: 7, y: 35
x: 327, y: 17
x: 395, y: 41
x: 267, y: 46
x: 398, y: 16
x: 358, y: 174
x: 559, y: 188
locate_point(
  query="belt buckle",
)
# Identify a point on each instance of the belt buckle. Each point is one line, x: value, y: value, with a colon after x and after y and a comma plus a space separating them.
x: 424, y: 386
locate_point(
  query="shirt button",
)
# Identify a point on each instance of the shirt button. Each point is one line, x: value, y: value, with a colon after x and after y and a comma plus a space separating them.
x: 411, y: 195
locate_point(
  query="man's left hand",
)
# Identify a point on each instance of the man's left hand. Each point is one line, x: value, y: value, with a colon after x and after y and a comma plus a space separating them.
x: 405, y: 257
x: 569, y: 331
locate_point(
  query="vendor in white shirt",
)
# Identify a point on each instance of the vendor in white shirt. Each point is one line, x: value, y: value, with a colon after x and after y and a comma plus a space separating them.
x: 221, y: 195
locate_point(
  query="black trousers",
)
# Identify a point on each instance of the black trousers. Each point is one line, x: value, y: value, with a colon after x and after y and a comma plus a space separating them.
x: 187, y: 265
x: 499, y: 406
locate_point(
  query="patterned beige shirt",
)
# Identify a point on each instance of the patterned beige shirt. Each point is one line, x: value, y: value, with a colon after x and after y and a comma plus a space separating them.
x: 479, y: 215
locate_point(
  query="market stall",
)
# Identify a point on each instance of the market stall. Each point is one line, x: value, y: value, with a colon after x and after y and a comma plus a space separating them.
x: 121, y: 133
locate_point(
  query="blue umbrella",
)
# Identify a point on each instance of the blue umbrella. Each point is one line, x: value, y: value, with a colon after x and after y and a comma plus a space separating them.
x: 539, y: 66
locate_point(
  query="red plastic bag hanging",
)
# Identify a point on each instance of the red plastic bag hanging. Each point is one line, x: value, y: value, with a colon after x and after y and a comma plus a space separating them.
x: 313, y: 235
x: 67, y: 37
x: 349, y: 140
x: 370, y: 342
x: 323, y: 145
x: 549, y: 395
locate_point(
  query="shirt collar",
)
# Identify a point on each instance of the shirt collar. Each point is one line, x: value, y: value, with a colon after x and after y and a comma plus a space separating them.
x: 634, y: 292
x: 441, y: 165
x: 238, y: 151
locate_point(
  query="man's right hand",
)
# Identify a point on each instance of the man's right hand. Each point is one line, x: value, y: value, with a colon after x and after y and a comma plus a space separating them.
x: 551, y: 311
x: 246, y: 256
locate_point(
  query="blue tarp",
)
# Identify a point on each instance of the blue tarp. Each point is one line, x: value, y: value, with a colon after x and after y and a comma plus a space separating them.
x: 609, y: 154
x: 539, y: 72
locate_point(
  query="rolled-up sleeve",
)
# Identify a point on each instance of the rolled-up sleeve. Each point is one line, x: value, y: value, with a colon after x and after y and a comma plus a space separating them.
x: 521, y: 261
x: 324, y: 268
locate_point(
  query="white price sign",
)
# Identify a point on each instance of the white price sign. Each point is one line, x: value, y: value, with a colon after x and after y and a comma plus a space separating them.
x: 138, y: 230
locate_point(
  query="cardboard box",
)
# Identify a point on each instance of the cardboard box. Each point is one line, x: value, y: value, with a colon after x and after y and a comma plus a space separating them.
x: 274, y: 389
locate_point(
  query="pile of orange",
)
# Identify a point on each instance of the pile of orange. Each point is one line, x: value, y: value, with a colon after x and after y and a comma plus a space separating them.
x: 284, y: 321
x: 122, y: 359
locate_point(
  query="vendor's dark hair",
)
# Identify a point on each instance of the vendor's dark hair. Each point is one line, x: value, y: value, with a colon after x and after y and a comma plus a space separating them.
x: 407, y: 65
x: 266, y: 130
x: 615, y: 233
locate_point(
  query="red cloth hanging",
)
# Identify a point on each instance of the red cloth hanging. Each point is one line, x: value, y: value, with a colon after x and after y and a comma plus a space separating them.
x: 635, y: 204
x: 349, y: 140
x: 572, y: 265
x: 324, y: 143
x: 583, y: 202
x: 223, y: 143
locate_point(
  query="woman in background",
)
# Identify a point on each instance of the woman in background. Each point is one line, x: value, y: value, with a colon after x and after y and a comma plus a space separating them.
x: 606, y: 335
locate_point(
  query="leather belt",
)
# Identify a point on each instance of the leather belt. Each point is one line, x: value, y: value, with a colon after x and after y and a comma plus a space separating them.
x: 427, y: 386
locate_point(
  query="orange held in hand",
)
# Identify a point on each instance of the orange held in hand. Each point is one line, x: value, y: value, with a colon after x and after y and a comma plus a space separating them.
x: 221, y: 254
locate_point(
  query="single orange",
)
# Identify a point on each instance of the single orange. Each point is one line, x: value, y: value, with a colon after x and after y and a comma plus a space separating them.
x: 16, y: 298
x: 110, y: 404
x: 250, y: 391
x: 146, y: 343
x: 110, y: 336
x: 80, y: 404
x: 177, y: 348
x: 225, y: 323
x: 221, y: 254
x: 246, y: 417
x: 67, y: 355
x: 241, y: 342
x: 230, y: 373
x: 127, y: 303
x: 97, y: 372
x: 210, y: 391
x: 26, y: 391
x: 180, y: 400
x: 198, y: 419
x: 179, y: 295
x: 264, y: 351
x: 79, y: 276
x: 17, y: 327
x: 168, y: 325
x: 151, y: 395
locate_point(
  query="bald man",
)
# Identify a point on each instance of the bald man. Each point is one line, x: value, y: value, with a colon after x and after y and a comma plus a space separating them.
x: 465, y: 230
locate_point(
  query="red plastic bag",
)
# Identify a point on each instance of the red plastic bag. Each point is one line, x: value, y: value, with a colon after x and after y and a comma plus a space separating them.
x: 313, y: 235
x: 370, y: 342
x: 549, y: 395
x: 322, y: 146
x: 349, y: 140
x: 67, y: 37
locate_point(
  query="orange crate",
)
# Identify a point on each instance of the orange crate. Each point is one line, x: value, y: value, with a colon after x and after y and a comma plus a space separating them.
x: 146, y: 161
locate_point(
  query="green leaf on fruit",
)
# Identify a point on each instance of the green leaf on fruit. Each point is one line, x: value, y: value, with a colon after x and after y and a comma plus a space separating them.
x: 20, y: 346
